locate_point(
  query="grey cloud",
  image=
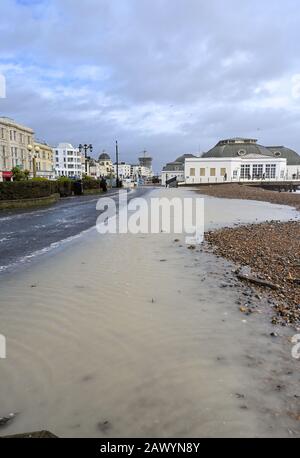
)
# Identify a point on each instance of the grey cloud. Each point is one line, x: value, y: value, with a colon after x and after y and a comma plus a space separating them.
x: 202, y: 60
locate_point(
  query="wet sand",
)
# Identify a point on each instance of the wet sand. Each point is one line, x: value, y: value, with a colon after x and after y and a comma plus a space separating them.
x: 105, y: 340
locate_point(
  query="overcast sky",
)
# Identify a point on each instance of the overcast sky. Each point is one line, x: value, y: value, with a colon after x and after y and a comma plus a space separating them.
x: 170, y: 76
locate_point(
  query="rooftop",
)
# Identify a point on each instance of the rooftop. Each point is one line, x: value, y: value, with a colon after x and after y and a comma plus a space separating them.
x: 245, y: 147
x: 11, y: 122
x: 104, y: 156
x: 65, y: 146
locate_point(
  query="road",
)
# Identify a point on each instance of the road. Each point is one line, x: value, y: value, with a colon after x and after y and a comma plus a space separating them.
x: 25, y: 233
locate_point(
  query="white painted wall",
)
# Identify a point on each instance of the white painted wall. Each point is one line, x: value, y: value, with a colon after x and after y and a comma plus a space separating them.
x: 124, y: 170
x: 211, y: 170
x: 293, y: 170
x: 67, y: 161
x: 165, y: 175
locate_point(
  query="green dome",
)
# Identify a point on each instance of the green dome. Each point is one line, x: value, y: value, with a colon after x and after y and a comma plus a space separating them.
x: 242, y: 147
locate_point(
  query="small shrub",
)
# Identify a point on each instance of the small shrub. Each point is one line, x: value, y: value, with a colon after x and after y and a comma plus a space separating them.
x: 90, y: 183
x: 64, y: 186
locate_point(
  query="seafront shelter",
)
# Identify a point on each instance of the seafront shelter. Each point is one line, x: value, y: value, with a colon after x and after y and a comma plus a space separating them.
x: 243, y: 159
x: 235, y: 169
x: 236, y: 160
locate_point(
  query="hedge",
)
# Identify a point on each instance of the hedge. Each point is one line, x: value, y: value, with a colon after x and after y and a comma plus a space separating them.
x: 64, y: 187
x: 15, y: 190
x: 91, y: 184
x: 31, y: 189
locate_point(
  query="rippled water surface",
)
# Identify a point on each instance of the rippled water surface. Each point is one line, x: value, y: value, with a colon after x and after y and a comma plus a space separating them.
x: 133, y: 336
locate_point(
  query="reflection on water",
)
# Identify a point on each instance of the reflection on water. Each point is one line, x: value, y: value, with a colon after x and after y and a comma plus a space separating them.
x: 106, y: 340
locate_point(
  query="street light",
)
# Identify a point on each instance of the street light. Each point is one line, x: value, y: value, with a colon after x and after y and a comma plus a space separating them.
x: 117, y: 163
x: 85, y: 148
x: 33, y: 155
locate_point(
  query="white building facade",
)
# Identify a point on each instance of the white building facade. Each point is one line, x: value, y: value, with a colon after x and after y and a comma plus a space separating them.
x: 124, y: 170
x: 235, y: 160
x: 247, y: 168
x: 140, y: 171
x: 175, y: 170
x: 67, y: 161
x: 169, y: 174
x: 134, y: 172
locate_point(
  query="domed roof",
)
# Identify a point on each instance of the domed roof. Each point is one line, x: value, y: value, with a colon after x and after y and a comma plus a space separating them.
x: 104, y: 157
x: 227, y: 148
x: 175, y: 166
x: 290, y: 155
x: 243, y: 147
x: 184, y: 157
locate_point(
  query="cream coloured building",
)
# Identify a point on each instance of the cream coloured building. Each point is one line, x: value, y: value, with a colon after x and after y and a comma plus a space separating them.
x: 94, y: 168
x: 44, y: 157
x: 14, y: 141
x: 106, y: 167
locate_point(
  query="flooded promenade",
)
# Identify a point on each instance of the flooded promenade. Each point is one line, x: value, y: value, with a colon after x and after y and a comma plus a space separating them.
x: 134, y: 336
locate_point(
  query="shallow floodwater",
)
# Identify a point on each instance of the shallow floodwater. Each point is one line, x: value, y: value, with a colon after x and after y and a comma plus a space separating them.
x: 133, y: 336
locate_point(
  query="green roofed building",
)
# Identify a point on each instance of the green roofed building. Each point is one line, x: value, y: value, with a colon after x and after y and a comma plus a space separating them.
x: 236, y: 160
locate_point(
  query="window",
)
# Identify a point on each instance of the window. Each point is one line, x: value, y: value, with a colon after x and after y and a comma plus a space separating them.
x: 202, y: 172
x: 223, y: 172
x: 257, y: 171
x: 245, y: 172
x: 271, y: 171
x: 192, y: 172
x: 212, y: 172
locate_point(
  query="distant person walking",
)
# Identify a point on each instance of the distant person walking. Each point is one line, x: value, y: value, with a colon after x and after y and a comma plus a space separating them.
x: 103, y: 184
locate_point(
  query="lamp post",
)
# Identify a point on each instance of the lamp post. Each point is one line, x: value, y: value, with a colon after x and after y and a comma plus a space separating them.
x: 33, y: 152
x: 117, y: 163
x: 85, y: 148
